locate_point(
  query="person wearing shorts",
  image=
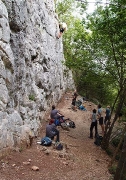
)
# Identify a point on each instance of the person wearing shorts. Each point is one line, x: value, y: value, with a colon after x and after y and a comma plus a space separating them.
x: 101, y: 121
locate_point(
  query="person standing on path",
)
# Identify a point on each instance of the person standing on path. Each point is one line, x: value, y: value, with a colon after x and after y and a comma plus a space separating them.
x: 74, y: 99
x: 75, y: 94
x: 100, y: 117
x: 93, y: 124
x: 74, y: 103
x: 107, y: 116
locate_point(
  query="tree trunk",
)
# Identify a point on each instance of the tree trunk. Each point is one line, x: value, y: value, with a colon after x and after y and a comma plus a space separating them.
x: 117, y: 149
x: 107, y: 135
x: 121, y: 168
x: 115, y: 101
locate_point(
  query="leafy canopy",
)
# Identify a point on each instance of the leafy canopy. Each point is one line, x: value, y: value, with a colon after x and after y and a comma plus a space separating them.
x: 94, y: 47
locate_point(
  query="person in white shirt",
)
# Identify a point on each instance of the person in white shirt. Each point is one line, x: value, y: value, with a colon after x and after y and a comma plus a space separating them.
x: 93, y: 124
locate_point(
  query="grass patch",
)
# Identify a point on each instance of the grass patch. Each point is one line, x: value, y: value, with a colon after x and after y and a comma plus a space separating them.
x: 109, y: 152
x: 31, y: 97
x: 21, y: 149
x: 112, y: 169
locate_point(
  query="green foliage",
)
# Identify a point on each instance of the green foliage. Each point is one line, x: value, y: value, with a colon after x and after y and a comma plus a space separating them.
x: 108, y: 42
x: 117, y: 157
x: 94, y: 48
x: 116, y: 141
x: 95, y: 51
x: 64, y: 9
x: 109, y: 152
x: 122, y: 120
x: 112, y: 169
x: 21, y: 149
x: 31, y: 97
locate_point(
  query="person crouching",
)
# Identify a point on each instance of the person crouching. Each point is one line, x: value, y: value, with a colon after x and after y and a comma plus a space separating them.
x: 51, y: 130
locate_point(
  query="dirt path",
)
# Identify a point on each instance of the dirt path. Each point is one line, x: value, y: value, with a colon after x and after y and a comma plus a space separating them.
x: 81, y: 160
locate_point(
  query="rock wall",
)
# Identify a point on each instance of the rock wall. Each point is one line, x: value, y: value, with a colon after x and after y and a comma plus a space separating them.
x: 32, y: 75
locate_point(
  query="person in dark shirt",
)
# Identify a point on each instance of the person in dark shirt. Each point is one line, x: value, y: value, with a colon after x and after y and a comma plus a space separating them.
x: 75, y: 94
x: 52, y: 131
x: 74, y: 103
x: 107, y: 114
x: 55, y: 114
x: 74, y: 98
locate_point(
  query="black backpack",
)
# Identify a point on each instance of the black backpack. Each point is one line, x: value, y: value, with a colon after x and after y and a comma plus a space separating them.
x: 98, y: 140
x: 72, y: 124
x: 59, y: 146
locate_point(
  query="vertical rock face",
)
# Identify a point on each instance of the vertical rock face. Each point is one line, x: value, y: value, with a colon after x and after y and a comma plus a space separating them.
x: 32, y: 75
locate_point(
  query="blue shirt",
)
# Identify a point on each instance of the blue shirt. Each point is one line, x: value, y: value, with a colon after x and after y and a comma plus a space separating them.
x: 107, y: 112
x: 99, y: 113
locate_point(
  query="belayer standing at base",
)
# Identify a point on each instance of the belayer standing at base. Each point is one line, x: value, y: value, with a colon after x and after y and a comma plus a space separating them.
x: 93, y: 124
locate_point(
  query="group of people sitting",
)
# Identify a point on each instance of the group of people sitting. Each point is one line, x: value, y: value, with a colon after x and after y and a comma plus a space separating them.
x: 55, y: 115
x: 51, y: 128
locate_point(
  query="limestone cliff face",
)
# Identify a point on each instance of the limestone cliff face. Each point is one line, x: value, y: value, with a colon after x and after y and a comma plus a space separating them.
x: 32, y: 75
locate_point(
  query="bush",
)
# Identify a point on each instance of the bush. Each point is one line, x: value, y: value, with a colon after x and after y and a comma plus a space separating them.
x: 115, y: 142
x: 122, y: 120
x: 117, y: 157
x: 109, y: 152
x: 112, y: 169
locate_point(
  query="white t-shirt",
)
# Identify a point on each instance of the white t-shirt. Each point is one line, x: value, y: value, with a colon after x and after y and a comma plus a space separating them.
x: 94, y: 119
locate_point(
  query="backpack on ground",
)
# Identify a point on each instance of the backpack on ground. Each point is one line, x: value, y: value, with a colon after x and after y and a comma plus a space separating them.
x: 46, y: 141
x: 78, y: 103
x: 98, y: 140
x: 65, y: 126
x: 72, y: 124
x: 58, y: 146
